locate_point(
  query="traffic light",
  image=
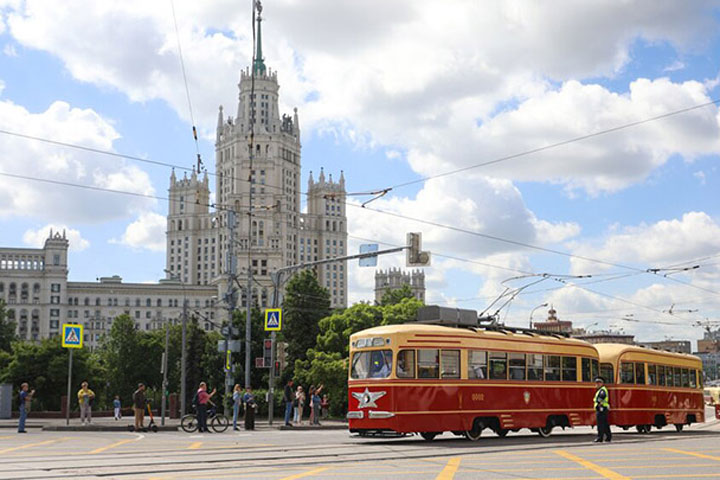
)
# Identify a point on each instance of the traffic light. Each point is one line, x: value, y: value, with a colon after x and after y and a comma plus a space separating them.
x: 277, y: 369
x: 416, y: 257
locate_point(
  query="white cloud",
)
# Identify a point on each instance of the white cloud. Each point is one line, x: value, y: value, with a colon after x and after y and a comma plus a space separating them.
x: 36, y: 238
x: 147, y: 232
x: 29, y: 158
x: 419, y: 76
x: 664, y: 243
x: 700, y: 175
x: 674, y: 67
x: 9, y: 50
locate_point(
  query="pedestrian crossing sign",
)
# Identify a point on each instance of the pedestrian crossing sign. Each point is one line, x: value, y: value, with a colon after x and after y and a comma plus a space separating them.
x: 273, y: 319
x: 72, y: 336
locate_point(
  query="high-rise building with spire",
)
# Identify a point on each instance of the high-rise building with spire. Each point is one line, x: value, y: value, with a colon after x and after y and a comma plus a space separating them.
x: 269, y: 178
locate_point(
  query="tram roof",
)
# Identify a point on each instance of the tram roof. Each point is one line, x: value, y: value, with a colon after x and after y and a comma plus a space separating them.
x: 469, y: 333
x: 616, y: 350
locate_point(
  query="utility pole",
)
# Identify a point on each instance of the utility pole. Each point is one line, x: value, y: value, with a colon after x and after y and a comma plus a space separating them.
x: 165, y: 374
x: 230, y: 299
x: 183, y: 360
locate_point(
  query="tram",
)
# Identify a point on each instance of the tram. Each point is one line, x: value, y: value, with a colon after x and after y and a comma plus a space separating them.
x: 430, y: 379
x: 651, y: 388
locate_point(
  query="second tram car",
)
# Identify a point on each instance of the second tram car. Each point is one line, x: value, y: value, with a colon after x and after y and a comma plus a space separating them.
x: 652, y: 388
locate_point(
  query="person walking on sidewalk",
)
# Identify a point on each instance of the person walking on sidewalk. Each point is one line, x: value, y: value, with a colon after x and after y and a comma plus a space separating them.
x: 288, y: 399
x: 298, y: 405
x: 139, y: 407
x: 24, y: 400
x: 85, y: 399
x: 237, y: 400
x: 117, y: 407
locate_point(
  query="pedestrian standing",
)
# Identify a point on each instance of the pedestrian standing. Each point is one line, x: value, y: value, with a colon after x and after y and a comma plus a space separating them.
x: 602, y: 410
x: 85, y: 399
x: 202, y: 402
x: 237, y: 401
x: 316, y: 405
x: 250, y: 406
x: 311, y: 392
x: 139, y: 407
x: 288, y: 399
x: 298, y: 405
x: 24, y: 400
x: 117, y: 407
x: 325, y: 406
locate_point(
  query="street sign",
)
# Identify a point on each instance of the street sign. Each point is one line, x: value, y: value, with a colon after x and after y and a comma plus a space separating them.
x: 259, y: 362
x: 370, y: 261
x: 72, y: 336
x: 234, y: 346
x: 273, y: 319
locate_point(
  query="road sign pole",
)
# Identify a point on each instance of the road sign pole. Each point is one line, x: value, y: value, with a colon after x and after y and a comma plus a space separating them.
x: 69, y: 389
x: 271, y: 380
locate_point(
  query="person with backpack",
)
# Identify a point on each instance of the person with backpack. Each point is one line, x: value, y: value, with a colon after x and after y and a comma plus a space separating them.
x: 24, y: 400
x: 85, y: 399
x: 139, y: 407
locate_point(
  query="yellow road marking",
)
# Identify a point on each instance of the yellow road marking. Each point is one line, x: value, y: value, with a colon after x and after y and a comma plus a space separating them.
x: 694, y: 454
x: 30, y: 445
x: 449, y: 471
x: 605, y: 472
x: 195, y: 445
x: 679, y: 475
x: 305, y: 474
x: 113, y: 445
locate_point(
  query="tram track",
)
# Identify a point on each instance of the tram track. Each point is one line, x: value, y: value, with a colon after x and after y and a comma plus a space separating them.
x: 218, y: 460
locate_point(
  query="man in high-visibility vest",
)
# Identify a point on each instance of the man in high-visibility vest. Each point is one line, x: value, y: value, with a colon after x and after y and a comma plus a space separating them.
x: 602, y: 410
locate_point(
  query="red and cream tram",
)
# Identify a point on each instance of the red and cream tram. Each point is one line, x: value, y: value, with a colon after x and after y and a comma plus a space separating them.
x: 652, y: 388
x: 431, y: 379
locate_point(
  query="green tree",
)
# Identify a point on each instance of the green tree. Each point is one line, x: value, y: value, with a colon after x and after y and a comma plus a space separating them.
x: 396, y: 295
x: 305, y: 303
x: 7, y: 329
x: 44, y: 366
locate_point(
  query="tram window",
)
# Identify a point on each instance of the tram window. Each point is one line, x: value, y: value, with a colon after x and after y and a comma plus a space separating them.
x: 669, y: 377
x: 586, y: 370
x: 678, y: 376
x: 685, y: 379
x: 627, y: 372
x: 693, y: 382
x: 498, y: 365
x: 661, y: 375
x: 596, y: 370
x: 569, y: 369
x: 700, y: 378
x: 477, y: 364
x: 372, y: 364
x: 652, y: 374
x: 640, y: 373
x: 607, y: 372
x: 428, y: 363
x: 534, y: 367
x: 516, y: 362
x: 450, y: 363
x: 552, y: 368
x: 406, y: 364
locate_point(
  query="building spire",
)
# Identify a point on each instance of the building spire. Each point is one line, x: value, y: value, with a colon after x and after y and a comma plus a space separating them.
x: 259, y: 64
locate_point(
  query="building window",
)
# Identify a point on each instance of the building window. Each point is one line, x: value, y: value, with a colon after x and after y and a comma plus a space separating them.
x: 56, y: 259
x: 55, y: 288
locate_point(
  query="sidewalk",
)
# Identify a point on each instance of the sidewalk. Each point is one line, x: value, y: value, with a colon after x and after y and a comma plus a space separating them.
x: 108, y: 424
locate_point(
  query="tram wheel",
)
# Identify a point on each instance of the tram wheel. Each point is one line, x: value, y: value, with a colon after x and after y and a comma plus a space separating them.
x: 501, y: 432
x: 429, y: 436
x: 545, y: 431
x: 642, y: 428
x: 679, y: 427
x: 474, y: 434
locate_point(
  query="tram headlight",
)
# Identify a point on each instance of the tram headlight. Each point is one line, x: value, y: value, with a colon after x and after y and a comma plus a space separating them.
x: 378, y: 342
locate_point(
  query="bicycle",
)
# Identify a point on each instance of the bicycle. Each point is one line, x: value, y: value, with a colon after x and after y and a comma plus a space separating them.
x: 217, y: 421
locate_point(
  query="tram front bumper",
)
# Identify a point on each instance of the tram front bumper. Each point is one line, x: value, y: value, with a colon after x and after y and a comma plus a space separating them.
x: 371, y: 414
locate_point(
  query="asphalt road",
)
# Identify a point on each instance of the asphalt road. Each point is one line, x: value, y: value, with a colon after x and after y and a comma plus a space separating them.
x: 289, y: 455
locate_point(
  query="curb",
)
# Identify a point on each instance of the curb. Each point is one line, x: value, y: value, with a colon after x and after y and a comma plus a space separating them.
x: 313, y: 427
x: 101, y: 428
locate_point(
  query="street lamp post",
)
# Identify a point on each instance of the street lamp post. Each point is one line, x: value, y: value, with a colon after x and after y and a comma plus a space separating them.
x: 533, y: 311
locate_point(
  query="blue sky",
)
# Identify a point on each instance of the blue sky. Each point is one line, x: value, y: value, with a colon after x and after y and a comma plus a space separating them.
x: 423, y: 90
